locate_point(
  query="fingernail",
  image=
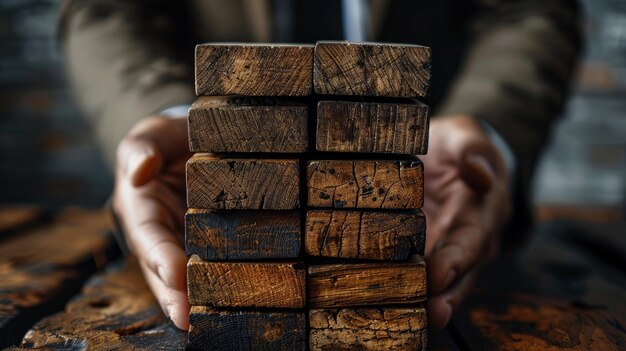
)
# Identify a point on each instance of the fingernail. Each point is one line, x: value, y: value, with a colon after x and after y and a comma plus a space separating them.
x: 134, y: 162
x: 449, y: 278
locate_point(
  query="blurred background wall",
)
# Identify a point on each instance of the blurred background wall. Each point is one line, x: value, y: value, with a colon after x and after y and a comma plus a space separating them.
x: 584, y: 166
x: 47, y: 155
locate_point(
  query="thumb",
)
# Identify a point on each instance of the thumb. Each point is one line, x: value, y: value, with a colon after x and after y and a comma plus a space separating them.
x: 139, y: 159
x: 477, y: 172
x: 150, y: 144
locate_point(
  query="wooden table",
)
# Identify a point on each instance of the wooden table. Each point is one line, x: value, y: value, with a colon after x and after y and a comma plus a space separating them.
x: 64, y: 284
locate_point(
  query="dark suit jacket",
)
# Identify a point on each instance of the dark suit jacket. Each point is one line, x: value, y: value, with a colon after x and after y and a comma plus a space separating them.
x: 507, y: 62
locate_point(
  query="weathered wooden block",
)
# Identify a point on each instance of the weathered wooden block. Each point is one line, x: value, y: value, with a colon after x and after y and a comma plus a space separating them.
x: 238, y: 124
x: 242, y: 235
x: 369, y: 69
x: 214, y: 329
x: 368, y: 329
x: 254, y: 69
x: 347, y: 285
x: 388, y: 236
x: 246, y: 284
x: 366, y: 184
x: 214, y: 182
x: 372, y: 127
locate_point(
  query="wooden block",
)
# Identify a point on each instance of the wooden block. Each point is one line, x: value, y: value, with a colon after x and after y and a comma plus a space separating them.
x: 372, y: 127
x: 215, y: 329
x: 366, y: 284
x: 218, y: 183
x: 388, y: 236
x: 254, y: 69
x: 237, y: 124
x: 366, y: 184
x: 116, y: 310
x: 237, y: 284
x: 43, y: 267
x: 242, y: 235
x: 368, y: 329
x: 369, y: 69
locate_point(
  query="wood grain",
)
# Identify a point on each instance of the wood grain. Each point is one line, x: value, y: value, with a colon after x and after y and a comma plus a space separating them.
x: 238, y: 124
x: 238, y: 284
x: 350, y: 285
x: 14, y: 219
x: 214, y: 182
x: 366, y: 184
x: 391, y: 236
x: 526, y: 321
x: 385, y: 328
x: 242, y: 235
x: 372, y: 127
x: 254, y: 69
x: 367, y: 69
x: 565, y: 290
x: 115, y: 311
x: 40, y: 269
x: 218, y: 329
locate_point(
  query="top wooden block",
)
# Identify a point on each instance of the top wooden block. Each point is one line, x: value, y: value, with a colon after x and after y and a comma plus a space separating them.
x: 254, y: 69
x: 368, y: 69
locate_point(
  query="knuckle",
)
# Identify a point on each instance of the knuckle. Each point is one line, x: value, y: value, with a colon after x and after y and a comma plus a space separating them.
x: 123, y: 149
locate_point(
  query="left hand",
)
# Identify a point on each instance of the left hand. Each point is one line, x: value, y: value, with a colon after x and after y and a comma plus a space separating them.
x: 467, y: 203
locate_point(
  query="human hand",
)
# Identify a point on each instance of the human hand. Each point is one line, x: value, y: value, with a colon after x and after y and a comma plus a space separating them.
x: 149, y: 200
x: 466, y: 205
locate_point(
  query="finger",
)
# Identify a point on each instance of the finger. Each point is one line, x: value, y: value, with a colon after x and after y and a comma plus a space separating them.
x: 462, y: 250
x: 158, y: 248
x: 173, y: 302
x: 441, y: 219
x: 150, y: 144
x: 477, y: 172
x: 139, y: 161
x: 147, y: 215
x: 440, y: 308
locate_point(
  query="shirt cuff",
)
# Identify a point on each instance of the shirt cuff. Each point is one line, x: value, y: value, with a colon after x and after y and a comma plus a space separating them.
x: 177, y: 111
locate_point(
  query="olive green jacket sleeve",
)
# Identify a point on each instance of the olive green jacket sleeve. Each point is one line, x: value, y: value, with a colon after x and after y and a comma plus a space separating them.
x: 517, y: 74
x: 126, y: 60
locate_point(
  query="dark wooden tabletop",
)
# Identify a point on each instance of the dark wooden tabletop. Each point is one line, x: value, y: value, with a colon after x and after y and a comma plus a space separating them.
x: 64, y: 285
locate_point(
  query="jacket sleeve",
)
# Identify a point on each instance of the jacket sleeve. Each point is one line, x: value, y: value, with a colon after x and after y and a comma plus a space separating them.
x: 517, y: 73
x: 126, y: 60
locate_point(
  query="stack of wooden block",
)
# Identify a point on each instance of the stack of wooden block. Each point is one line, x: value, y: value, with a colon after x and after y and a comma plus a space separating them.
x: 369, y: 298
x: 246, y: 284
x: 334, y: 127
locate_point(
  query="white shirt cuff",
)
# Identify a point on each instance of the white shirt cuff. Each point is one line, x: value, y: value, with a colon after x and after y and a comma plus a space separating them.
x: 178, y: 111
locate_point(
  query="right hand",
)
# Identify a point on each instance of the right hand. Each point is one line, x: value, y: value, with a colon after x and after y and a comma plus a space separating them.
x: 149, y: 200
